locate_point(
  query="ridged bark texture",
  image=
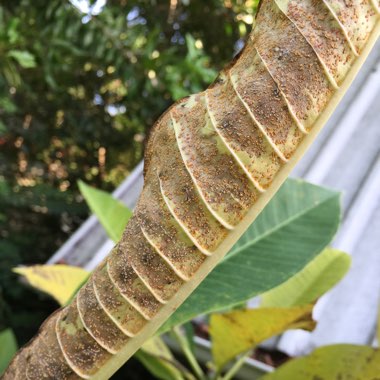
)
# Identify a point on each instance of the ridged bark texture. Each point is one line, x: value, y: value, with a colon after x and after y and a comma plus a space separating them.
x: 209, y: 159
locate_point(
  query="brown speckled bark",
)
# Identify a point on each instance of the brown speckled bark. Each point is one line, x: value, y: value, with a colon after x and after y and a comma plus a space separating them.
x: 125, y: 316
x: 82, y: 352
x: 358, y: 18
x: 210, y: 159
x: 292, y: 62
x: 97, y: 322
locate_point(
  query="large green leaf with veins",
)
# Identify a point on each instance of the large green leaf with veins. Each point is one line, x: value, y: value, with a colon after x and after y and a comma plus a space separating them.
x: 296, y: 225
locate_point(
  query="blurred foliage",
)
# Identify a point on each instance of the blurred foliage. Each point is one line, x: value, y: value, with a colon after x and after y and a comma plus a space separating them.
x: 81, y: 84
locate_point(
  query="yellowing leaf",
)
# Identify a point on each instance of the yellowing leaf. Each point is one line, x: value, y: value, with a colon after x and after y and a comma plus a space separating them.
x: 341, y: 361
x: 112, y: 214
x: 238, y: 331
x: 60, y: 281
x: 319, y: 276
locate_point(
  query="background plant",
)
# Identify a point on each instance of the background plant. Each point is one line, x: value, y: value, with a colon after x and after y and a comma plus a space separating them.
x: 279, y: 255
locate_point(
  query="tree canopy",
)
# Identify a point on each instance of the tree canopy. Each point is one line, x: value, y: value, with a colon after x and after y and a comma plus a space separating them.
x: 81, y: 84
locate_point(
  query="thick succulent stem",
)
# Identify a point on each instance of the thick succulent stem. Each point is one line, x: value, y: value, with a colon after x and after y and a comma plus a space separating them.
x: 213, y: 161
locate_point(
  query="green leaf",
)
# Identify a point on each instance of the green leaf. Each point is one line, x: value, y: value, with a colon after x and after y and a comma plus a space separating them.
x: 12, y: 32
x: 189, y: 334
x: 3, y: 128
x: 112, y: 214
x: 296, y: 225
x: 156, y: 356
x: 7, y: 105
x: 23, y: 57
x: 191, y: 49
x: 319, y: 276
x: 341, y: 362
x: 8, y: 347
x: 238, y: 331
